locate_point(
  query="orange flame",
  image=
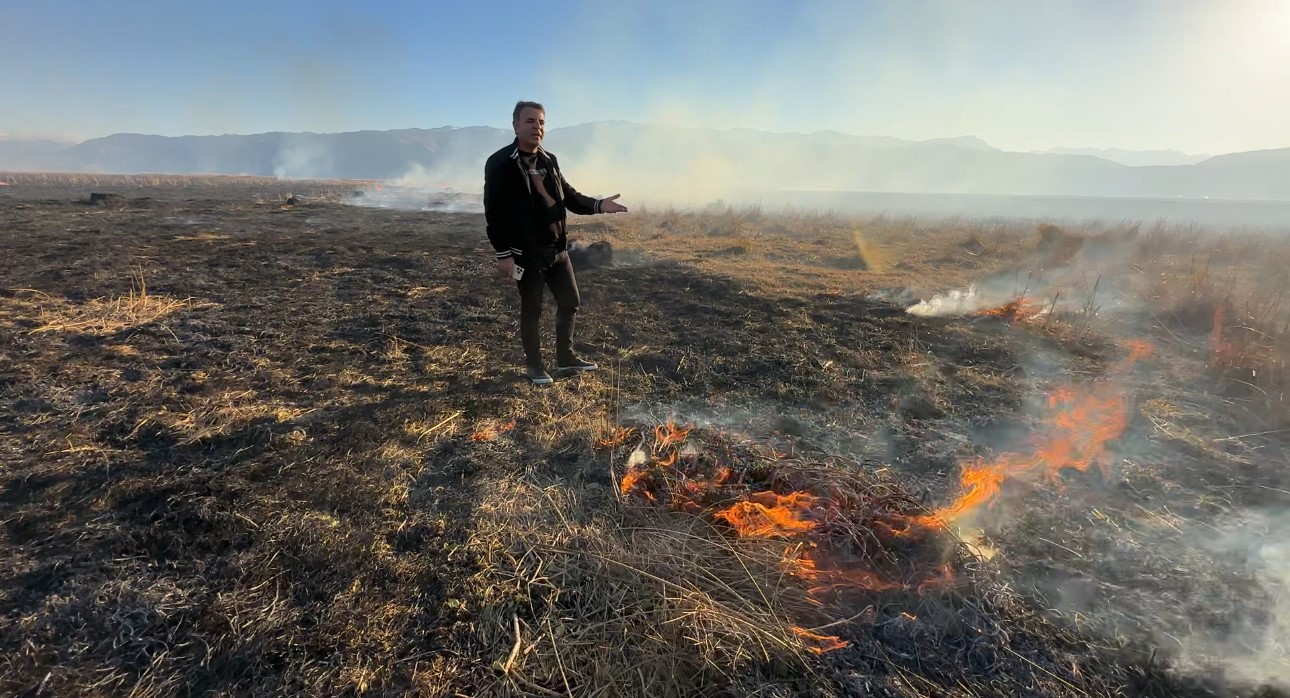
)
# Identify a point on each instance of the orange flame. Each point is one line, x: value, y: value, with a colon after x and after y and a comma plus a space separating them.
x: 637, y: 475
x: 490, y: 432
x: 770, y: 515
x: 1014, y: 310
x: 1075, y: 435
x: 981, y: 483
x: 807, y: 524
x: 1216, y: 332
x: 1079, y: 431
x: 1222, y: 351
x: 630, y: 479
x: 617, y: 438
x: 669, y: 434
x: 1138, y: 349
x: 826, y: 643
x: 833, y: 577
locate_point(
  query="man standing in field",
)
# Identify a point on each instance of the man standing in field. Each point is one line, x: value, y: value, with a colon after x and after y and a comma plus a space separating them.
x: 526, y: 200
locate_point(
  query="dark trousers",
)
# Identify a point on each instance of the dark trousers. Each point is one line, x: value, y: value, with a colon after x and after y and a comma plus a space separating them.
x: 559, y: 278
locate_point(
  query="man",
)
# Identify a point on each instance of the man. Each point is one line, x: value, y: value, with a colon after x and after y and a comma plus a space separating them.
x: 526, y: 199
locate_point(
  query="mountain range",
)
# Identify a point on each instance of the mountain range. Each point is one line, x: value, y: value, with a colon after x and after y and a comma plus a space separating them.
x: 1135, y: 158
x: 685, y: 164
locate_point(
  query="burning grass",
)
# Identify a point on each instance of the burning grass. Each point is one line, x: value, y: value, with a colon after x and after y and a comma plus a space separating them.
x: 1077, y: 427
x: 653, y: 605
x: 490, y: 431
x: 1016, y: 310
x: 833, y: 522
x: 718, y: 561
x: 1252, y: 347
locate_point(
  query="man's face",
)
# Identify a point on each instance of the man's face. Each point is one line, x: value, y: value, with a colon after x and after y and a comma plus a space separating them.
x: 530, y: 127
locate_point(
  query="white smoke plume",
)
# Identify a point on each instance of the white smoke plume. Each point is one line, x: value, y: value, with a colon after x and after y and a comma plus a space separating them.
x: 302, y: 158
x: 1253, y: 652
x: 422, y: 189
x: 949, y: 304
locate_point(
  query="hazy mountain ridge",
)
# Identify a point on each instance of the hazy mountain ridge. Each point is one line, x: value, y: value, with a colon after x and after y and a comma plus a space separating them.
x: 671, y: 162
x: 1135, y: 158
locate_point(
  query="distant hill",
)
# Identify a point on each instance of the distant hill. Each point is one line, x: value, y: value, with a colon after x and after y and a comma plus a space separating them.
x: 1135, y: 158
x: 683, y: 164
x: 19, y: 154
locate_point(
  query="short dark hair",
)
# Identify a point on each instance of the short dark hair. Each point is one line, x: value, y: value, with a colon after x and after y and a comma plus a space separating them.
x: 521, y: 106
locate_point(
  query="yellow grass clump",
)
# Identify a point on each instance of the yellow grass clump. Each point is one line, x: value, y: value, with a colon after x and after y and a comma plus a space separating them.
x: 104, y: 316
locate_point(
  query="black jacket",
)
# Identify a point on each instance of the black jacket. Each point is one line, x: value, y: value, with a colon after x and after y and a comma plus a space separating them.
x: 513, y: 222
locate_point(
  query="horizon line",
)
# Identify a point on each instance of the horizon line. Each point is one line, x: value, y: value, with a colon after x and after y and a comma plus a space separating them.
x: 1051, y: 150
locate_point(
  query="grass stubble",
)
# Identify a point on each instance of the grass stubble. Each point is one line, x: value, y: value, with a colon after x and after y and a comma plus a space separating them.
x: 262, y: 449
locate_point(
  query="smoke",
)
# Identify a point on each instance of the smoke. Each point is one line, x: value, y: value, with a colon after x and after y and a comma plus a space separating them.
x: 935, y: 69
x: 1178, y: 539
x: 303, y: 157
x: 419, y: 176
x: 1088, y: 275
x: 1257, y: 648
x: 949, y: 304
x: 422, y: 189
x: 769, y: 125
x: 417, y: 199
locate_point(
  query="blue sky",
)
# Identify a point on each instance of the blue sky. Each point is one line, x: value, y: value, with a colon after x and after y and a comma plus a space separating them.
x: 1200, y: 76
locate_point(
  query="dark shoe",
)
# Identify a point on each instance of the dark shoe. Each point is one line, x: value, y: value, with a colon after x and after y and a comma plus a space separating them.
x: 575, y: 364
x: 539, y: 376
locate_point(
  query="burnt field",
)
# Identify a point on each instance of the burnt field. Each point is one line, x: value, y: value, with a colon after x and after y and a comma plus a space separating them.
x: 252, y: 447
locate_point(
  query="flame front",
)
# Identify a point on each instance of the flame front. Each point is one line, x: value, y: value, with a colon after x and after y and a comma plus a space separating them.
x: 822, y: 531
x: 616, y: 438
x: 1139, y: 349
x: 1223, y: 351
x: 637, y: 475
x: 631, y: 479
x: 770, y: 515
x: 1075, y: 433
x: 833, y: 576
x: 820, y: 643
x: 981, y: 483
x: 827, y: 529
x: 668, y: 435
x: 1014, y: 310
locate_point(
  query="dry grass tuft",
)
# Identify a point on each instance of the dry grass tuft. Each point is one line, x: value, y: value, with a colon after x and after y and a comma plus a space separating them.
x: 646, y: 601
x: 1240, y: 314
x: 101, y: 316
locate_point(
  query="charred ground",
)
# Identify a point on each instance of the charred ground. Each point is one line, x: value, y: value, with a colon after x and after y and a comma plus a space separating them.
x: 259, y: 448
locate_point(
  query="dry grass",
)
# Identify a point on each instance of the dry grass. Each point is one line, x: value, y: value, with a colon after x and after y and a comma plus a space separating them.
x: 1231, y: 295
x: 103, y: 316
x: 652, y: 605
x: 301, y: 459
x: 585, y: 589
x: 64, y: 179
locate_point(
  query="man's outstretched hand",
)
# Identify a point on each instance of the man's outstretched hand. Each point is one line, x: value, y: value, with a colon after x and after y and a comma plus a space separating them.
x: 611, y: 205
